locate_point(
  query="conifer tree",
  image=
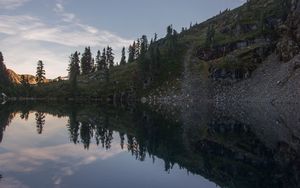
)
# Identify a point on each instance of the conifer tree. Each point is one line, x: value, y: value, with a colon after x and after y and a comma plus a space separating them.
x: 103, y: 60
x: 93, y: 65
x: 155, y: 37
x: 144, y: 46
x: 40, y: 72
x: 98, y: 60
x: 131, y: 52
x: 109, y: 56
x: 123, y: 57
x: 169, y: 31
x: 86, y: 61
x: 4, y: 79
x: 137, y: 49
x: 74, y: 70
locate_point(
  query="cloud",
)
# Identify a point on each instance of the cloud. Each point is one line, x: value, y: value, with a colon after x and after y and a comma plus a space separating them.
x: 67, y: 17
x: 26, y: 39
x: 12, y: 4
x: 67, y: 159
x: 74, y: 35
x: 10, y: 182
x: 22, y: 56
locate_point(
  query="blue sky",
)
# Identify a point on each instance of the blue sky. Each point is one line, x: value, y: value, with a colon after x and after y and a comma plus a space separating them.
x: 51, y: 30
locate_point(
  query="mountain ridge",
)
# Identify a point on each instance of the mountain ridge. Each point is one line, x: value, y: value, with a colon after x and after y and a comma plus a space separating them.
x: 19, y: 78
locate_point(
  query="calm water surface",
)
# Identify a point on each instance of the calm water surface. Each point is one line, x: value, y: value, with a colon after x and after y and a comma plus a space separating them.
x: 46, y: 145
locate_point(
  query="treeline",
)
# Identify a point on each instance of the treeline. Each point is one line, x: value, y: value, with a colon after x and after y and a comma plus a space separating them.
x: 153, y: 61
x: 146, y: 54
x: 4, y: 77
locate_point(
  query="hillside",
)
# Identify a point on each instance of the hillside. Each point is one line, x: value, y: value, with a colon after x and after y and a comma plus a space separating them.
x: 17, y: 78
x: 248, y: 53
x: 247, y: 57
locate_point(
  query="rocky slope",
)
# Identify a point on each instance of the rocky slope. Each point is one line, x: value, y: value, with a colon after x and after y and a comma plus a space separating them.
x: 255, y: 66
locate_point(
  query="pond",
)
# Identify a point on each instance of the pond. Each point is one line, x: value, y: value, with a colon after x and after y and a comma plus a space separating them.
x: 76, y: 145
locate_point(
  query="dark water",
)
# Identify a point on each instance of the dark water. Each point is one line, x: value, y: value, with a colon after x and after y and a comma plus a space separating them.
x: 51, y: 145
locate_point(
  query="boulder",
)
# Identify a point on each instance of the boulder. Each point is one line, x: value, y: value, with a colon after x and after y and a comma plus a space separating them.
x: 287, y: 48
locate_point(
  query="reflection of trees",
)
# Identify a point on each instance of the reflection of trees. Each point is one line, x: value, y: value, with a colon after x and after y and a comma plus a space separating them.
x: 40, y: 121
x: 73, y: 126
x: 5, y: 118
x: 24, y: 115
x: 87, y: 129
x: 223, y: 149
x: 86, y: 133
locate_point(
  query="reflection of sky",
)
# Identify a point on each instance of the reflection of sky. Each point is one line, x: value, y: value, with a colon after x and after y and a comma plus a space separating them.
x: 28, y: 159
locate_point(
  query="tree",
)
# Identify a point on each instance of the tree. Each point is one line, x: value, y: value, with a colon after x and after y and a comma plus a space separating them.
x: 40, y: 72
x: 102, y: 64
x: 86, y: 61
x: 74, y: 70
x: 123, y: 57
x: 98, y: 60
x: 110, y: 57
x: 169, y: 31
x: 143, y: 46
x: 93, y: 65
x: 131, y: 52
x: 4, y: 79
x: 155, y: 37
x: 137, y: 48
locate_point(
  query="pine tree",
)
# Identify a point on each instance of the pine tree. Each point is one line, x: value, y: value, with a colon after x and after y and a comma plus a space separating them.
x: 86, y: 61
x: 4, y: 79
x: 98, y: 60
x: 93, y: 65
x: 137, y: 49
x: 155, y: 37
x: 103, y: 61
x: 40, y: 72
x: 169, y: 31
x: 110, y: 57
x: 131, y: 52
x: 74, y: 70
x: 123, y: 57
x: 144, y: 46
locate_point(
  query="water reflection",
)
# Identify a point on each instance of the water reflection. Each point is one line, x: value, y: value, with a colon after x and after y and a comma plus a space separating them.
x: 232, y: 146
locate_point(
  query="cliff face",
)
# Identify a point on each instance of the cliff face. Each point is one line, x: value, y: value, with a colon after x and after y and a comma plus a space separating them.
x: 288, y: 44
x: 14, y: 77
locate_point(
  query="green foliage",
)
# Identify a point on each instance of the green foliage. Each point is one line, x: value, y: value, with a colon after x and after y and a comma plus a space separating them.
x: 109, y: 57
x: 144, y: 46
x: 86, y: 61
x: 40, y: 72
x: 131, y: 53
x: 123, y: 57
x: 74, y: 71
x: 102, y: 61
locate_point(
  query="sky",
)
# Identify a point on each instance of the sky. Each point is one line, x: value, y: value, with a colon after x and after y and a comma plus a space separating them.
x: 50, y: 30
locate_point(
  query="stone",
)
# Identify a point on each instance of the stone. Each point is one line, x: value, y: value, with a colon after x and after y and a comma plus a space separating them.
x: 286, y: 49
